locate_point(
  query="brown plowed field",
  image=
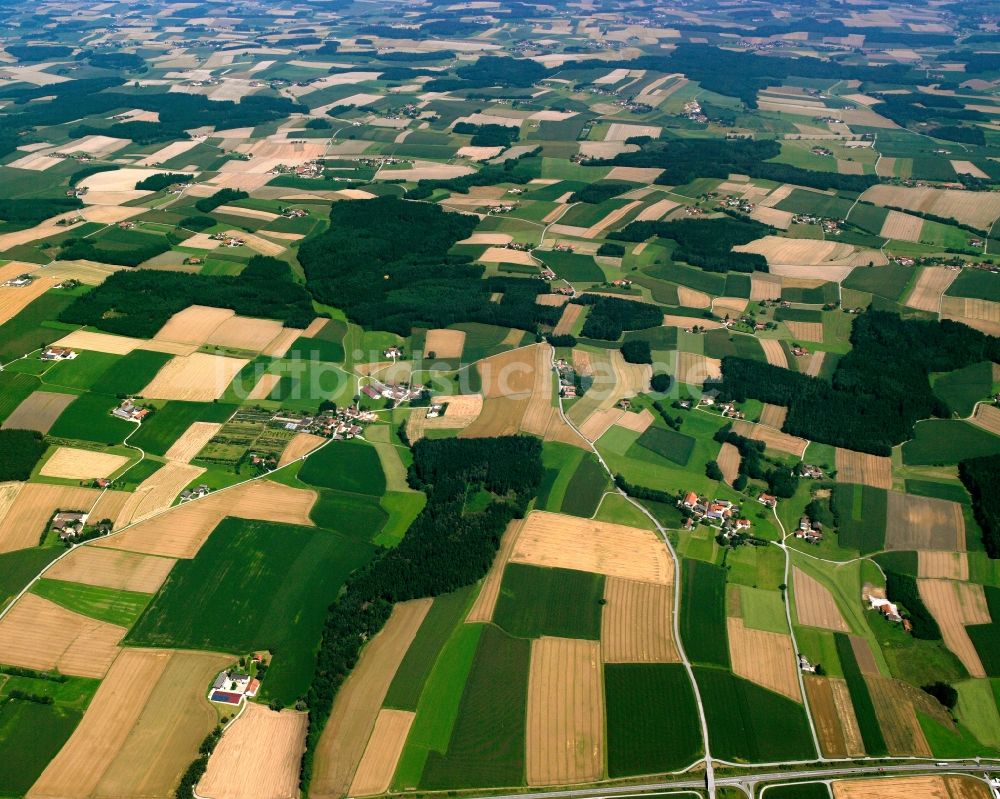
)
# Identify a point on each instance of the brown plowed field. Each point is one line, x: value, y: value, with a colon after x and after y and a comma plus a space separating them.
x: 637, y: 622
x: 806, y: 331
x: 192, y: 441
x: 764, y: 287
x: 357, y: 705
x: 38, y: 634
x: 301, y: 444
x: 773, y: 439
x: 553, y: 539
x: 863, y: 468
x: 773, y: 415
x: 23, y: 524
x: 814, y: 604
x: 445, y: 343
x: 378, y: 764
x: 863, y: 654
x: 157, y: 492
x: 138, y: 737
x: 836, y: 724
x: 924, y: 523
x: 38, y: 411
x: 943, y: 565
x: 110, y: 569
x: 486, y: 602
x: 988, y: 418
x: 774, y: 352
x: 569, y: 316
x: 258, y: 756
x: 180, y: 532
x: 925, y: 787
x: 564, y: 738
x: 729, y: 462
x: 930, y: 287
x: 764, y: 658
x: 896, y: 717
x: 953, y: 606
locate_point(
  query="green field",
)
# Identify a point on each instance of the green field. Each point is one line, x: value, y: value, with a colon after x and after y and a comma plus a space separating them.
x: 977, y: 284
x: 652, y: 718
x: 89, y: 418
x: 19, y: 567
x: 445, y: 614
x: 14, y: 389
x: 962, y: 389
x: 161, y: 429
x: 871, y: 732
x: 763, y: 609
x: 750, y: 723
x: 675, y: 447
x: 351, y: 466
x: 986, y: 637
x: 805, y: 790
x: 536, y: 601
x: 82, y: 373
x: 885, y: 281
x: 946, y: 441
x: 861, y: 511
x: 486, y: 747
x: 31, y: 734
x: 25, y: 332
x: 703, y: 612
x: 107, y: 604
x: 131, y: 373
x: 574, y: 267
x: 255, y: 585
x: 585, y: 488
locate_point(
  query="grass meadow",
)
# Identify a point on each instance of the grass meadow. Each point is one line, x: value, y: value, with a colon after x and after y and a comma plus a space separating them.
x: 106, y: 604
x: 703, y: 612
x: 585, y: 488
x: 351, y: 466
x: 536, y: 601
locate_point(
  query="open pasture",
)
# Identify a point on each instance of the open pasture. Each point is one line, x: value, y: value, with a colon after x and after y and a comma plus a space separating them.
x: 863, y: 468
x: 38, y: 411
x: 924, y: 523
x: 764, y: 658
x: 565, y: 718
x: 38, y: 634
x: 537, y: 602
x: 637, y: 622
x: 568, y: 542
x: 71, y: 463
x: 107, y: 568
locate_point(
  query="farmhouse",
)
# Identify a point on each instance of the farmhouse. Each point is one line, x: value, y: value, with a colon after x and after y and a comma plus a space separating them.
x: 888, y: 609
x: 231, y: 687
x: 69, y: 524
x: 194, y: 493
x: 58, y: 354
x: 131, y: 412
x: 767, y: 500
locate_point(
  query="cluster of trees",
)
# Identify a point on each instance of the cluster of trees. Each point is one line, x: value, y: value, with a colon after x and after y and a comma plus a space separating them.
x: 611, y: 250
x: 196, y: 223
x: 92, y: 169
x: 129, y: 62
x: 38, y: 52
x: 140, y: 250
x: 514, y: 170
x: 902, y: 589
x: 487, y: 135
x: 447, y: 547
x: 20, y: 450
x: 599, y: 192
x: 981, y: 476
x: 706, y: 243
x: 637, y: 352
x: 161, y: 180
x: 755, y: 465
x: 609, y: 317
x: 683, y: 160
x: 29, y: 211
x: 222, y: 197
x: 492, y: 71
x: 385, y: 262
x: 867, y: 407
x: 642, y: 492
x: 139, y: 302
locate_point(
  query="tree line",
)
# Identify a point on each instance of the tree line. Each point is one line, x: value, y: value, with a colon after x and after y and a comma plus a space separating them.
x: 981, y: 476
x: 609, y: 317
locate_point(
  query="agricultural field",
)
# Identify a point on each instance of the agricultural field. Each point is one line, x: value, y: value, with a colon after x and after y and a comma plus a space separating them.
x: 520, y: 397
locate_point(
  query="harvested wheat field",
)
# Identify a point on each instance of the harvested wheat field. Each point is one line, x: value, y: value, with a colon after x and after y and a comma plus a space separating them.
x: 100, y: 342
x: 616, y: 550
x: 141, y: 731
x: 553, y: 300
x: 987, y: 417
x: 157, y: 492
x: 729, y: 462
x: 504, y: 255
x: 772, y: 216
x: 833, y: 714
x: 943, y: 565
x: 378, y: 764
x: 815, y: 605
x: 461, y: 410
x: 764, y: 658
x: 180, y: 531
x: 636, y: 422
x: 966, y: 309
x: 773, y: 439
x: 538, y: 413
x: 930, y: 287
x: 686, y: 322
x: 197, y: 377
x: 774, y: 352
x: 38, y: 411
x: 245, y: 333
x: 263, y: 387
x: 569, y: 316
x: 71, y: 463
x: 35, y: 503
x: 976, y: 208
x: 692, y: 298
x: 813, y: 364
x: 637, y: 622
x: 806, y: 331
x: 192, y: 441
x: 863, y: 468
x: 764, y: 287
x: 356, y: 708
x: 444, y: 343
x: 501, y: 416
x: 511, y: 374
x: 38, y: 634
x: 193, y: 325
x: 810, y: 252
x: 927, y: 787
x: 924, y: 523
x: 13, y: 300
x: 773, y: 415
x: 897, y: 716
x: 257, y: 756
x: 904, y: 227
x: 599, y: 422
x: 564, y: 736
x: 695, y: 369
x: 656, y: 211
x: 597, y: 229
x: 300, y: 445
x: 107, y: 568
x: 486, y: 601
x: 954, y: 605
